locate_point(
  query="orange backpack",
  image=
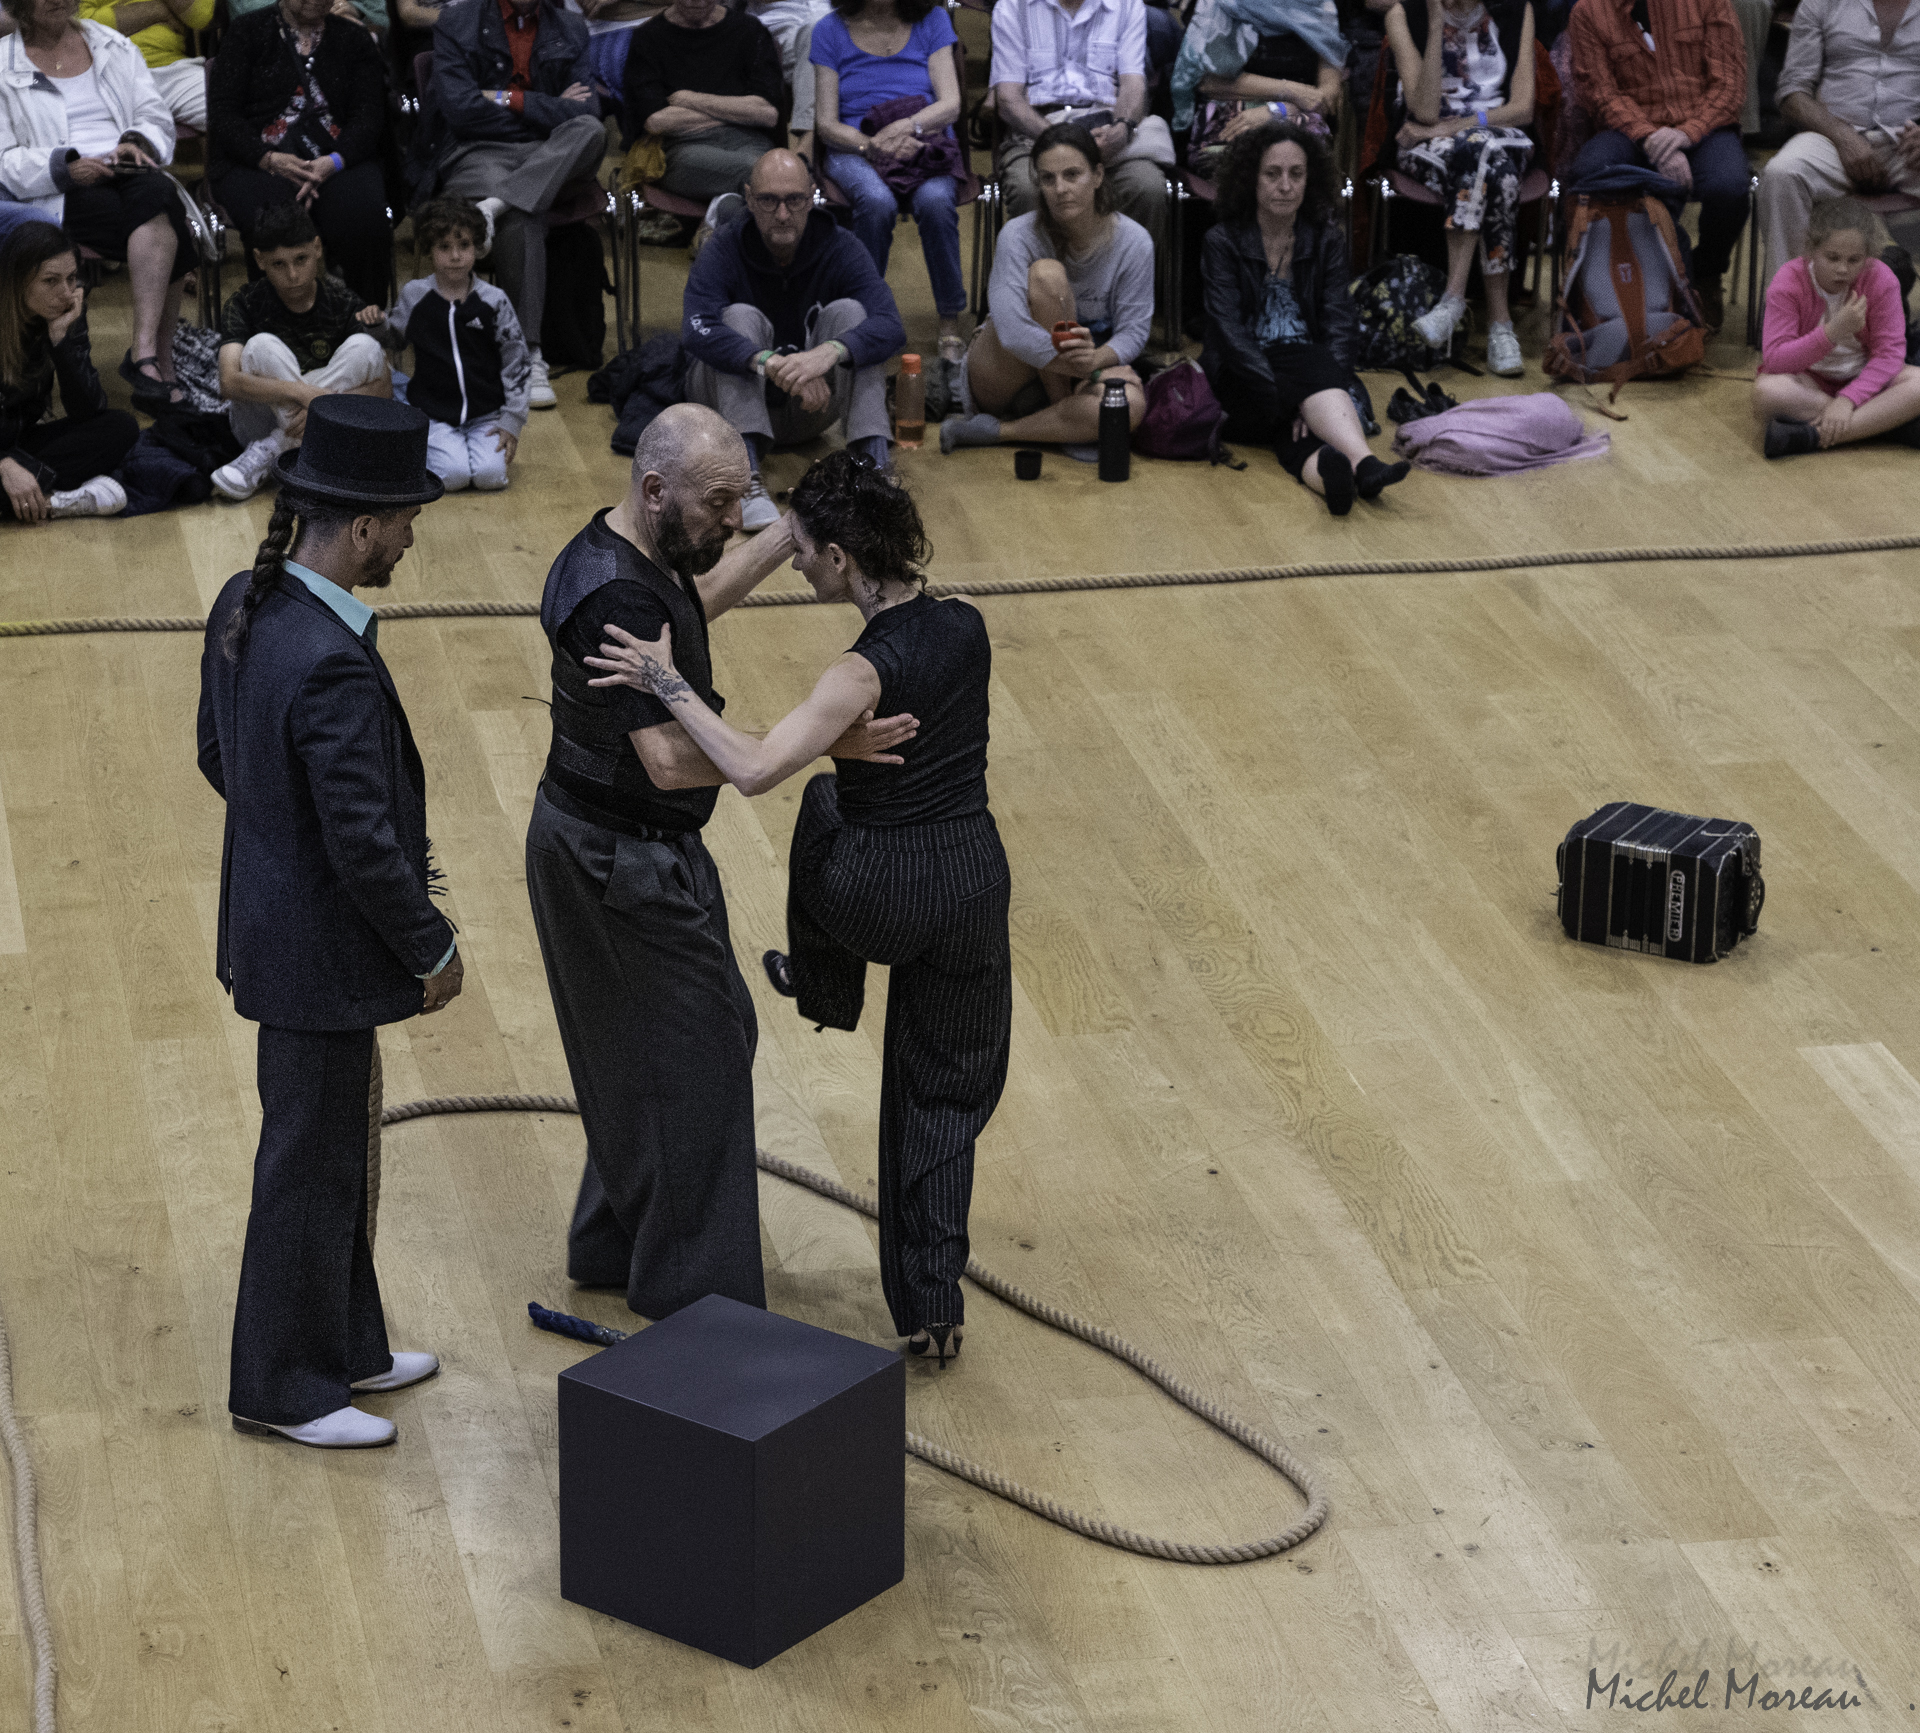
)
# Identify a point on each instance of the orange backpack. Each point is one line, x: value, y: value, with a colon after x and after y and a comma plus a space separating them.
x: 1625, y: 308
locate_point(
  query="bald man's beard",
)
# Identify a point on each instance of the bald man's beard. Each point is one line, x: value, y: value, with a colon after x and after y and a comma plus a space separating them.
x: 681, y: 552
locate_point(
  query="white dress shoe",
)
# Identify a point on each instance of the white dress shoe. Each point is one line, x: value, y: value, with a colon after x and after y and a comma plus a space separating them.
x: 408, y: 1368
x: 343, y: 1429
x: 491, y: 210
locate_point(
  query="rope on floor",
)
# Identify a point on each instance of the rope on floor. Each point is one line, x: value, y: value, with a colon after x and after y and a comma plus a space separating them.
x: 26, y: 1544
x: 1276, y: 1456
x: 1110, y: 581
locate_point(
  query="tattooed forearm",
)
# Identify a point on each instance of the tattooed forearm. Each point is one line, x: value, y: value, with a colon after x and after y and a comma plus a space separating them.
x: 665, y: 684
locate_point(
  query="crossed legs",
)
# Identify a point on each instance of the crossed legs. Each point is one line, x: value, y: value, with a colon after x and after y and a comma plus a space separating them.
x: 1796, y: 397
x: 996, y: 375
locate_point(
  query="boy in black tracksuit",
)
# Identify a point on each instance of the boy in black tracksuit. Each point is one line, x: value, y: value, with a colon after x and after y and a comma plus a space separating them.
x: 471, y: 374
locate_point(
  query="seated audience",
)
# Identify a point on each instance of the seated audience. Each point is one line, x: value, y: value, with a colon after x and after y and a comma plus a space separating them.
x: 1070, y: 304
x: 298, y: 111
x: 1280, y: 323
x: 470, y: 368
x: 789, y: 328
x: 368, y: 14
x: 786, y: 21
x: 291, y: 335
x: 1854, y: 90
x: 1087, y: 62
x: 158, y: 28
x: 1833, y: 357
x: 1667, y: 95
x: 511, y: 119
x: 706, y: 81
x: 83, y: 132
x: 52, y: 468
x: 886, y: 94
x: 1286, y: 66
x: 1469, y: 96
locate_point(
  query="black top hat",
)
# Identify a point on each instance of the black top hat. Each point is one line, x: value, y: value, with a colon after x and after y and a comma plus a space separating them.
x: 363, y: 451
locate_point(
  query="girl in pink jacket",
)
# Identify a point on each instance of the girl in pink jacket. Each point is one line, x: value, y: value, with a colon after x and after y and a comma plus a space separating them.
x: 1833, y: 361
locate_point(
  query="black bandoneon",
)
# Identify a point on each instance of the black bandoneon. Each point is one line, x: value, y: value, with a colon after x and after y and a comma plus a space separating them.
x: 1641, y: 879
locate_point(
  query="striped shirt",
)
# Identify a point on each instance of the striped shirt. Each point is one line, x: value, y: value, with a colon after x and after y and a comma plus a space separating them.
x: 1069, y: 59
x: 1693, y: 78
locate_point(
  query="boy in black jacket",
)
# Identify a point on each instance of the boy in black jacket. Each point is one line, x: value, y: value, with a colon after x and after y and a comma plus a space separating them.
x: 471, y: 370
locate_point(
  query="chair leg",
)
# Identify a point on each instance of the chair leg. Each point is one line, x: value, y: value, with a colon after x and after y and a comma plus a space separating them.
x: 1755, y: 256
x: 1176, y: 263
x: 616, y: 245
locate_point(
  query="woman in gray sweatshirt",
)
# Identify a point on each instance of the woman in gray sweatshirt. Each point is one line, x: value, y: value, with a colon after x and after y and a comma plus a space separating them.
x: 1071, y: 302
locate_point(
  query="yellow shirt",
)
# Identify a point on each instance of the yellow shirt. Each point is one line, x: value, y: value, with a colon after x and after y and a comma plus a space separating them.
x: 159, y: 44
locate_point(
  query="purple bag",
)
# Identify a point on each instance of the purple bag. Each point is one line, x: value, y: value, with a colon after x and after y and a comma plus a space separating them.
x: 1500, y: 436
x: 1183, y: 418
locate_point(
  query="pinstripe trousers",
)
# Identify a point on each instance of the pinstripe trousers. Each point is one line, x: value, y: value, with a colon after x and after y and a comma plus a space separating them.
x: 929, y: 901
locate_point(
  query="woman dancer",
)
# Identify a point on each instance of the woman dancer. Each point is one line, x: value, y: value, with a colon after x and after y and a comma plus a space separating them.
x: 901, y: 866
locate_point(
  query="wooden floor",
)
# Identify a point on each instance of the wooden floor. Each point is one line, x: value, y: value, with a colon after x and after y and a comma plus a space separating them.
x: 1591, y: 1282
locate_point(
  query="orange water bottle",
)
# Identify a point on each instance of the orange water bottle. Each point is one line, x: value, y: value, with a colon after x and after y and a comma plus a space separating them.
x: 910, y: 404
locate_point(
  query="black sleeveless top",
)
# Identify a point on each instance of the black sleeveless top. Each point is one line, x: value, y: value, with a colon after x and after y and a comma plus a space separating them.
x: 934, y: 661
x: 593, y: 772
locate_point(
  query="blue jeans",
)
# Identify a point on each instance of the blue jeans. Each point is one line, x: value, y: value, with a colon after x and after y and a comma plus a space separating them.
x: 876, y: 209
x: 1722, y: 183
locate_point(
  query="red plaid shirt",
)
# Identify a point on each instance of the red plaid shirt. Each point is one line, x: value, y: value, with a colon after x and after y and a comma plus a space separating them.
x: 1696, y: 78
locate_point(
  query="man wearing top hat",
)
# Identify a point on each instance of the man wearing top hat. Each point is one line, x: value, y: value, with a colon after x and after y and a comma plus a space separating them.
x: 326, y: 926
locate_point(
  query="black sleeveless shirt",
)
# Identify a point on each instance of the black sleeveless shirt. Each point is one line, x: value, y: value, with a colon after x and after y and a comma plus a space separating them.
x: 593, y: 772
x: 934, y: 662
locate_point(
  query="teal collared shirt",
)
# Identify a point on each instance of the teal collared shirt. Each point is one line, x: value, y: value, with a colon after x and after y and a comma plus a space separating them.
x: 358, y: 618
x: 364, y: 624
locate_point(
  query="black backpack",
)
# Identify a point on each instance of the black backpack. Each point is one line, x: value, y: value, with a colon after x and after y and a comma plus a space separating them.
x: 573, y: 329
x: 1386, y: 301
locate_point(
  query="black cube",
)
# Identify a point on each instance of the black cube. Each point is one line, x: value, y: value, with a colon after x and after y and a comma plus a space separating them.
x: 732, y: 1479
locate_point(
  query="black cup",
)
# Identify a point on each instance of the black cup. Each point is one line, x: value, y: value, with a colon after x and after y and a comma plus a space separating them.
x: 1026, y: 465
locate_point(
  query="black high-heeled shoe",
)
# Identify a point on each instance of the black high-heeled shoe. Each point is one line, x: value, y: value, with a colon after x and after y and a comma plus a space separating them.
x: 941, y: 1339
x: 779, y: 972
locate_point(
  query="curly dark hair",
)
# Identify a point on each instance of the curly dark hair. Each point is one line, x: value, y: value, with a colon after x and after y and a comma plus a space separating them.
x: 288, y: 225
x: 909, y: 11
x: 1240, y: 173
x: 440, y: 219
x: 846, y: 500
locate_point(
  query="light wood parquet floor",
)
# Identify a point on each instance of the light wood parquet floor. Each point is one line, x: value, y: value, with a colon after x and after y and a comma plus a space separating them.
x: 1591, y: 1282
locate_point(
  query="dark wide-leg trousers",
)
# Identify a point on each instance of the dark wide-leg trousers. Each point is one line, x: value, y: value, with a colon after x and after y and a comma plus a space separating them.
x: 930, y: 901
x: 659, y: 1033
x: 308, y: 1322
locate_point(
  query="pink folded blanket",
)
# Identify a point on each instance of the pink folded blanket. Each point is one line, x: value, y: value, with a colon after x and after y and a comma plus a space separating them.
x: 1500, y: 436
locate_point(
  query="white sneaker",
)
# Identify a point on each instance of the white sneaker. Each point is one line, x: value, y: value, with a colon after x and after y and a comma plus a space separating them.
x: 1503, y: 352
x: 408, y: 1368
x: 100, y: 496
x: 492, y: 210
x: 343, y: 1429
x: 757, y: 511
x: 540, y: 392
x: 241, y: 478
x: 1436, y: 327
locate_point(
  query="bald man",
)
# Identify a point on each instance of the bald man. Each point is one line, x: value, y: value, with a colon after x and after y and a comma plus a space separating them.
x: 656, y: 1021
x: 788, y: 327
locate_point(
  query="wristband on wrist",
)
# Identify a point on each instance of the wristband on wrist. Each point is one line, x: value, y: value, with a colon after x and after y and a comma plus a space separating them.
x: 339, y: 162
x: 759, y: 362
x: 1480, y: 114
x: 839, y: 348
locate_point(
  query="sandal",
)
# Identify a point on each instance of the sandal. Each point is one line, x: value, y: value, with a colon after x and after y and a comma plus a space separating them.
x: 150, y: 387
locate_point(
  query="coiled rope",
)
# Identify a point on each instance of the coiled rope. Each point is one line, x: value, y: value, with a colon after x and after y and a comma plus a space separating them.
x: 1276, y: 1456
x: 1109, y: 581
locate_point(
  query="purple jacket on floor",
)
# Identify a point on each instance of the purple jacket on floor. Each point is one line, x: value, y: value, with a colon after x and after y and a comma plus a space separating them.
x: 1500, y: 436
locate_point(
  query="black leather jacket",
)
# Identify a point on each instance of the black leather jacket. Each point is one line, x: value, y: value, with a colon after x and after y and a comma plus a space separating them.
x: 1233, y: 269
x: 25, y: 400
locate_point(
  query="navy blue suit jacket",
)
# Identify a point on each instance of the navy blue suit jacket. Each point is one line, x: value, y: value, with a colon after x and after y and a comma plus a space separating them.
x: 325, y: 921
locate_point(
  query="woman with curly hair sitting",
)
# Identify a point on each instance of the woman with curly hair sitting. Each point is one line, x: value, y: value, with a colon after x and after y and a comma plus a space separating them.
x: 894, y: 860
x: 1280, y: 324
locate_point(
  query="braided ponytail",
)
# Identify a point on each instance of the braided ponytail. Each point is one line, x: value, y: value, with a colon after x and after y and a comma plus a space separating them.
x: 267, y: 562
